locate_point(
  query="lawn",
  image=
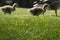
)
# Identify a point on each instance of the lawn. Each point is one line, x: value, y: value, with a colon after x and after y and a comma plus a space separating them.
x: 22, y: 25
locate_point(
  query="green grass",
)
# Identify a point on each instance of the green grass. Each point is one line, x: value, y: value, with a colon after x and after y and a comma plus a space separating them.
x: 21, y: 25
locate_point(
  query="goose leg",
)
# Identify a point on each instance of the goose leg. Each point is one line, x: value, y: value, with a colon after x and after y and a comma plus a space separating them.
x: 9, y: 12
x: 4, y: 12
x: 43, y: 13
x: 56, y: 12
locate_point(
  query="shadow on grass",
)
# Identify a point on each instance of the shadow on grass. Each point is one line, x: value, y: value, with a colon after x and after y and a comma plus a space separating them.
x: 56, y: 16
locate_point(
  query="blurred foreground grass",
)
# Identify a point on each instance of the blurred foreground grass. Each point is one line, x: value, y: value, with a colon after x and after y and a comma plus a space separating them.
x: 21, y: 25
